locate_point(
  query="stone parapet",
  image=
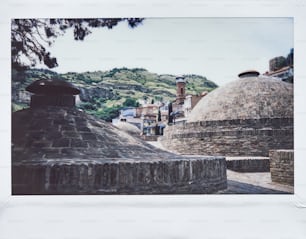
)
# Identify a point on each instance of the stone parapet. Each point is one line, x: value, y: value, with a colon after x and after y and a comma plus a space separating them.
x: 282, y: 166
x: 191, y: 175
x: 248, y: 164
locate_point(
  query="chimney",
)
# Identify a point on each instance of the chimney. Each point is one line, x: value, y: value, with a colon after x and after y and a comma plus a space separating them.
x: 52, y: 92
x: 249, y: 73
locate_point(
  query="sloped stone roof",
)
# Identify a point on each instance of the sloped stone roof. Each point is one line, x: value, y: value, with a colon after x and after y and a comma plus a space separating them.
x: 63, y: 134
x: 246, y: 98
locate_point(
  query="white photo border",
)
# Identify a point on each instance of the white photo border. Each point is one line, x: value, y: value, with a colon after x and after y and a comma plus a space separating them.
x: 166, y: 204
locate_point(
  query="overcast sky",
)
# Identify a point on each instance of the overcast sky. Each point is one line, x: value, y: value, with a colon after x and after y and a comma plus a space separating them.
x: 218, y: 48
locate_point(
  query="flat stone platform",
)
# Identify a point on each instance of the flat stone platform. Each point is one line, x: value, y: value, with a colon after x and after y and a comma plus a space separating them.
x: 248, y: 164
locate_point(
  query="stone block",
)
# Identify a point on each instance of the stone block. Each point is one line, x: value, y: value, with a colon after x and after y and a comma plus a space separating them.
x: 282, y: 166
x: 88, y: 136
x: 63, y: 142
x: 78, y: 143
x: 71, y: 134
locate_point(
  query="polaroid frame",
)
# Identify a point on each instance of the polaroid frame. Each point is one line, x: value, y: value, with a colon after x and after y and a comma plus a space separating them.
x: 171, y: 216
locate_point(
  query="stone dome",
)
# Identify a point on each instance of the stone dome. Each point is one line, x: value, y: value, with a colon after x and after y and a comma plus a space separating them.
x: 129, y: 128
x: 64, y: 133
x: 247, y: 117
x: 250, y: 97
x: 61, y: 150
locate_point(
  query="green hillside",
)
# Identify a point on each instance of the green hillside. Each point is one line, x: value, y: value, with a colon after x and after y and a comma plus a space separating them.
x: 104, y: 92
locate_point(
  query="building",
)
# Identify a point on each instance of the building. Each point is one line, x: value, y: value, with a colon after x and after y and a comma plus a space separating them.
x: 180, y: 90
x: 183, y: 103
x: 285, y: 74
x: 151, y: 119
x: 247, y: 117
x: 282, y: 68
x: 191, y: 101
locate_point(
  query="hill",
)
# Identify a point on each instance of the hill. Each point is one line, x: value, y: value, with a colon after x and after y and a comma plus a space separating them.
x: 104, y: 92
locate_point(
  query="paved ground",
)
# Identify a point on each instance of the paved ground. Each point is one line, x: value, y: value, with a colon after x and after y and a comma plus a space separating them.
x: 257, y: 181
x: 235, y: 187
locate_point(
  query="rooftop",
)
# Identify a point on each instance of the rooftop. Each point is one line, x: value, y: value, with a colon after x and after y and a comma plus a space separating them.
x: 251, y: 97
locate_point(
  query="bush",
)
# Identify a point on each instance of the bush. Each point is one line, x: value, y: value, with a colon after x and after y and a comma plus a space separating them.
x: 108, y: 113
x: 130, y: 102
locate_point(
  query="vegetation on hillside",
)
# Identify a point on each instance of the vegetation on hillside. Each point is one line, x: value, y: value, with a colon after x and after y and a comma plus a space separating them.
x: 104, y: 93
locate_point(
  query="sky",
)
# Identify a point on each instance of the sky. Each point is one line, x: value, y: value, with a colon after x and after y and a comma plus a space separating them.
x: 218, y: 48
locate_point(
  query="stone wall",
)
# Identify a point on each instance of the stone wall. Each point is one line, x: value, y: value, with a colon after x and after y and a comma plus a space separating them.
x: 241, y: 137
x: 191, y: 175
x: 282, y: 166
x: 248, y: 164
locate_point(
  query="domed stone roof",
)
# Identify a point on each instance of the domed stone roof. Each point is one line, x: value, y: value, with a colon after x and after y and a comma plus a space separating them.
x: 250, y: 97
x: 66, y: 133
x: 127, y: 127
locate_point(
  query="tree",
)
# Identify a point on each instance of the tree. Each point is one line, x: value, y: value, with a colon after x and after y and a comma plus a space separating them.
x: 290, y: 58
x: 159, y: 116
x: 170, y: 116
x: 30, y: 37
x: 130, y: 102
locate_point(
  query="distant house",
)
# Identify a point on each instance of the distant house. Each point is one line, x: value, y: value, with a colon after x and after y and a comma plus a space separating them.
x: 128, y: 112
x: 191, y: 101
x: 282, y: 68
x: 183, y: 103
x: 151, y: 119
x: 284, y: 74
x: 144, y: 117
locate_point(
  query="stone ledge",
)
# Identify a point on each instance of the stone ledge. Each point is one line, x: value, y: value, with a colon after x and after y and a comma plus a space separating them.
x: 187, y: 176
x: 248, y: 164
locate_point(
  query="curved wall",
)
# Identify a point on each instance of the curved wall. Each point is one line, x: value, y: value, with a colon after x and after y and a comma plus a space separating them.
x: 242, y: 137
x: 189, y: 175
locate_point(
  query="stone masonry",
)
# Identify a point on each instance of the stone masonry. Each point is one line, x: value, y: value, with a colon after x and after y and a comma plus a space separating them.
x: 96, y: 176
x: 61, y: 150
x: 282, y: 166
x: 246, y: 117
x: 248, y: 137
x: 248, y: 164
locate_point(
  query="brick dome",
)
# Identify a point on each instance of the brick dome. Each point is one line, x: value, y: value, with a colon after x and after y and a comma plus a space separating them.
x: 250, y: 97
x: 129, y: 128
x: 63, y: 133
